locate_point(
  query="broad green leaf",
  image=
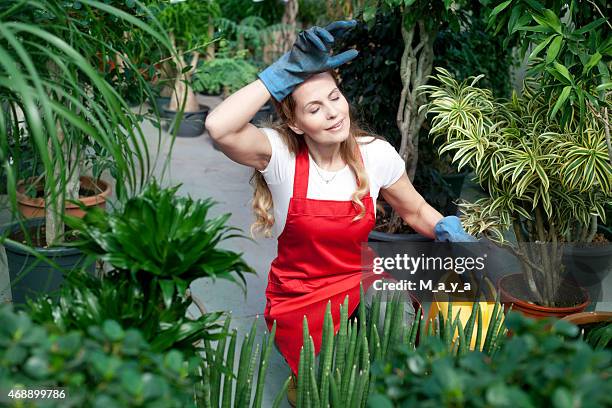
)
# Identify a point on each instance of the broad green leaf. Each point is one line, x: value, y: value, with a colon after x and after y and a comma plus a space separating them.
x: 563, y: 71
x: 595, y: 58
x: 554, y: 48
x: 591, y: 26
x: 553, y: 20
x: 562, y: 98
x: 540, y: 47
x: 500, y: 7
x: 167, y: 287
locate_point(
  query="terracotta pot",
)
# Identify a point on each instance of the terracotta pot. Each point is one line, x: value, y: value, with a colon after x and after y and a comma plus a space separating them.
x: 35, y: 207
x: 584, y: 318
x: 536, y: 311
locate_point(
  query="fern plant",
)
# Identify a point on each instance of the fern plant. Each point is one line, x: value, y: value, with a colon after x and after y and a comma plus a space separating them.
x: 547, y: 182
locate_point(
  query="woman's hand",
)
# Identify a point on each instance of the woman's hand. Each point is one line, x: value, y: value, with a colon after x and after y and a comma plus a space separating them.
x: 310, y: 54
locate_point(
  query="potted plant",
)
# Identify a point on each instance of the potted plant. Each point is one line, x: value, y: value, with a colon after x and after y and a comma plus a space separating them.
x: 371, y: 83
x: 526, y: 161
x: 595, y: 327
x: 156, y: 246
x: 67, y: 113
x: 107, y: 365
x: 224, y: 75
x: 111, y: 364
x: 536, y: 367
x: 189, y: 24
x: 561, y: 122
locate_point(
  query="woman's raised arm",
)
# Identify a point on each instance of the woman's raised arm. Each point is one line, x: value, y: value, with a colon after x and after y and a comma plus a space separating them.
x: 228, y: 125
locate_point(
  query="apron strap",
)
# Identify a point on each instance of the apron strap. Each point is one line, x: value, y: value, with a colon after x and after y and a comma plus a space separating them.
x: 300, y: 179
x: 302, y: 165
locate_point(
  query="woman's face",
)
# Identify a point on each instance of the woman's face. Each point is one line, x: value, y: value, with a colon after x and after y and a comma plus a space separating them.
x: 321, y: 111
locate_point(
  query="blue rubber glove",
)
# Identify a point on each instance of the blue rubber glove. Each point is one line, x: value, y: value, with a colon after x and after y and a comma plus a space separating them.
x: 449, y: 229
x: 309, y: 55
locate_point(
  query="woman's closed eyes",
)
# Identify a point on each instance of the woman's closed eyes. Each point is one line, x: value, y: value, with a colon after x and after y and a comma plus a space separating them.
x: 317, y: 109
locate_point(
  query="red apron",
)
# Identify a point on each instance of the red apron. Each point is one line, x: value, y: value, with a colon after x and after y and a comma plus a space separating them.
x: 319, y: 260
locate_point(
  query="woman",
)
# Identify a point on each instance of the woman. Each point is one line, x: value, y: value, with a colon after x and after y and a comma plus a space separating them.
x: 320, y: 175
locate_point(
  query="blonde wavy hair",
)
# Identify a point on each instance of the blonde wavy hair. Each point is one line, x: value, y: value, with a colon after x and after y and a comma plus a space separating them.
x: 262, y: 197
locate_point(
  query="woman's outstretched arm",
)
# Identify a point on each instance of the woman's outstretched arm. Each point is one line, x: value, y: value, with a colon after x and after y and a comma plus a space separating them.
x: 422, y: 217
x: 411, y: 206
x: 228, y: 125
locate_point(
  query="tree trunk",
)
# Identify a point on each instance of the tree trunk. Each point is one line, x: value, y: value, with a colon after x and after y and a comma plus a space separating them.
x: 183, y: 95
x: 54, y: 196
x: 210, y: 50
x: 281, y: 41
x: 416, y: 66
x: 288, y: 33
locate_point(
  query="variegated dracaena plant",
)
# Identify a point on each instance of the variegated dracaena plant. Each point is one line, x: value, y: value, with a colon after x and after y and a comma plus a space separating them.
x: 548, y: 183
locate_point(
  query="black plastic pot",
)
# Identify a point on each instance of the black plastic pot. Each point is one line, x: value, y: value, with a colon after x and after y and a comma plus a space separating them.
x: 591, y: 264
x: 377, y: 236
x: 160, y: 102
x: 32, y: 277
x: 455, y: 182
x: 191, y: 124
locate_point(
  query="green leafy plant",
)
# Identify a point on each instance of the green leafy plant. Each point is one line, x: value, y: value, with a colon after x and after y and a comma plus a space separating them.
x: 526, y: 162
x: 85, y: 301
x: 474, y: 49
x: 570, y: 56
x: 599, y: 336
x: 157, y: 245
x: 270, y: 11
x: 241, y: 36
x: 105, y: 366
x: 540, y: 365
x: 190, y: 25
x: 225, y: 386
x: 224, y: 75
x: 162, y: 237
x: 62, y: 100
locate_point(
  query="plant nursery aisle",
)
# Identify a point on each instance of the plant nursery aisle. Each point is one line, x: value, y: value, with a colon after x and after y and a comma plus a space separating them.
x: 205, y: 172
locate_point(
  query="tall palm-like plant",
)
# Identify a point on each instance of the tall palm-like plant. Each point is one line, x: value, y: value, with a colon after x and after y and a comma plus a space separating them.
x: 59, y: 96
x: 546, y: 181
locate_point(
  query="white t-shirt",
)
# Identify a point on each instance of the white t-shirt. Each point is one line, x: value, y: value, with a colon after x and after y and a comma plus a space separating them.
x: 383, y: 164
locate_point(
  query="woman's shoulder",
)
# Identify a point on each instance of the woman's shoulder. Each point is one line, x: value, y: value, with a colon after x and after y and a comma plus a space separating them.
x: 276, y: 139
x: 374, y: 145
x: 271, y: 132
